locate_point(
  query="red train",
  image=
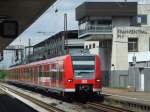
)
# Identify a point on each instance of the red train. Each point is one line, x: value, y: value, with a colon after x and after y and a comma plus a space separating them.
x: 64, y: 75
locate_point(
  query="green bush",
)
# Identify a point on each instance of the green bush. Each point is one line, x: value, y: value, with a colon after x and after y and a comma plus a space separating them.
x: 3, y: 74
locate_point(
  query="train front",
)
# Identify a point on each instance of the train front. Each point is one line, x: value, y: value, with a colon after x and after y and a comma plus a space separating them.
x: 83, y: 74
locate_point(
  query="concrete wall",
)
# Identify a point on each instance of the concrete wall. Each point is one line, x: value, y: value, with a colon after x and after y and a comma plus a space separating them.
x: 119, y: 78
x: 119, y: 52
x: 119, y: 59
x: 147, y: 79
x: 134, y: 75
x: 120, y: 44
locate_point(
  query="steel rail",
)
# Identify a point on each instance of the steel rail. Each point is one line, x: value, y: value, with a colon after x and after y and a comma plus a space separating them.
x: 106, y: 108
x: 42, y: 104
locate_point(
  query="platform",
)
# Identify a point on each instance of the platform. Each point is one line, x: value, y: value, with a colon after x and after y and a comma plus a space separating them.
x: 140, y: 100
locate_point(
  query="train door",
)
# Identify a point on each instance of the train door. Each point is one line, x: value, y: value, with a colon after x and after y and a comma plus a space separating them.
x: 26, y: 74
x: 61, y: 74
x: 36, y: 74
x: 40, y: 75
x: 18, y: 73
x: 54, y: 74
x: 32, y: 74
x: 29, y: 74
x: 123, y: 81
x: 30, y: 71
x: 50, y: 75
x: 46, y: 77
x: 57, y: 75
x: 21, y: 73
x: 53, y: 71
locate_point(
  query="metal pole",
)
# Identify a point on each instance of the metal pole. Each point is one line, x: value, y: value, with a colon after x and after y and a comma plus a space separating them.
x: 65, y: 33
x: 29, y: 50
x: 134, y: 62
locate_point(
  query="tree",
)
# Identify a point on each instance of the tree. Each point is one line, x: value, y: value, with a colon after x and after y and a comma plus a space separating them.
x: 2, y: 74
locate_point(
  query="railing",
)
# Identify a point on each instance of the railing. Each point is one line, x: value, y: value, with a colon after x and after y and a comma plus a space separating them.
x: 97, y: 29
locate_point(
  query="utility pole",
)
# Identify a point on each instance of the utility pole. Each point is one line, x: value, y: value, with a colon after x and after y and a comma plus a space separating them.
x: 18, y: 50
x: 134, y: 63
x: 65, y: 33
x: 29, y: 52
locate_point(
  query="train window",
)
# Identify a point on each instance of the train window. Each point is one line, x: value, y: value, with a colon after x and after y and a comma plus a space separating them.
x: 35, y: 73
x: 57, y: 71
x: 40, y: 71
x: 84, y: 67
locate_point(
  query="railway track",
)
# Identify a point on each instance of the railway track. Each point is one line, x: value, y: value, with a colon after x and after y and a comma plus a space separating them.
x: 105, y: 108
x: 48, y: 107
x: 97, y: 106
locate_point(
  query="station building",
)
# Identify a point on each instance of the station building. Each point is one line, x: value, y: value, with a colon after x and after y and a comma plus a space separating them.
x: 57, y: 45
x: 117, y: 31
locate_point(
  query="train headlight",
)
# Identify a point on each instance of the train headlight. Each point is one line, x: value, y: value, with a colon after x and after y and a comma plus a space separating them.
x: 70, y: 80
x: 98, y: 80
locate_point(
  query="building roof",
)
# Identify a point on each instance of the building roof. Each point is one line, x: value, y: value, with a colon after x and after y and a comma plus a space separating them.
x: 140, y: 56
x: 106, y: 9
x: 71, y: 34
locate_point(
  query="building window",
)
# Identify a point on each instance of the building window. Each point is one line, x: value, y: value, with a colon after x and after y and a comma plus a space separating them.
x: 92, y: 22
x: 86, y: 47
x: 104, y: 22
x: 142, y: 19
x: 93, y: 45
x: 90, y: 46
x: 133, y: 45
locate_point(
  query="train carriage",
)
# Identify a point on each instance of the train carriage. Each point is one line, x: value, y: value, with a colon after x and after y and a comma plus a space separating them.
x: 64, y: 74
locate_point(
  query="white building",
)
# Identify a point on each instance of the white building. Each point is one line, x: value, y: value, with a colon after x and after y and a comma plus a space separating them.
x: 114, y: 30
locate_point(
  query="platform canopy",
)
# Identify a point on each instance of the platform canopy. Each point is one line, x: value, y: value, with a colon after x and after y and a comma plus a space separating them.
x: 24, y: 11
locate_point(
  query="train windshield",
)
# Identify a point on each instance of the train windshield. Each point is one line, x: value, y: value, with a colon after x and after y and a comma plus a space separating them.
x: 84, y: 67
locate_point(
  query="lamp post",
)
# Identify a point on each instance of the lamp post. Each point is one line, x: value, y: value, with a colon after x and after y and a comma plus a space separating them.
x: 134, y: 63
x: 65, y: 33
x: 64, y: 37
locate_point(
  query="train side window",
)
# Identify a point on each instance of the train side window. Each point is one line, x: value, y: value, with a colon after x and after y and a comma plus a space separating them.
x: 24, y: 73
x: 57, y: 71
x: 49, y: 70
x: 40, y: 70
x: 29, y: 73
x: 46, y: 70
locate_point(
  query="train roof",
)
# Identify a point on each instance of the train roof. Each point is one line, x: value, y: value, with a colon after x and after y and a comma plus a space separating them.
x: 41, y: 62
x: 49, y: 60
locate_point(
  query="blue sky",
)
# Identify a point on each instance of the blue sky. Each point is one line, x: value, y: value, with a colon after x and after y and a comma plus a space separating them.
x: 51, y: 23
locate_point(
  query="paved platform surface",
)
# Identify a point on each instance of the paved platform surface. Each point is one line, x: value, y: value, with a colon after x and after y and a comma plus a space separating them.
x: 10, y: 104
x: 126, y: 95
